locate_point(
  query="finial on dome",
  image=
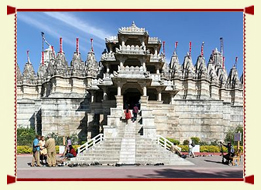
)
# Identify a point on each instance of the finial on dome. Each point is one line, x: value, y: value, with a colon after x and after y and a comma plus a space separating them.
x: 133, y: 24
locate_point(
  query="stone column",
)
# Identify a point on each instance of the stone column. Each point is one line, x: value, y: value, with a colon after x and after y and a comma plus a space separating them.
x: 105, y: 96
x: 122, y: 60
x: 144, y: 90
x: 143, y: 63
x: 92, y: 96
x: 156, y: 51
x: 123, y: 41
x: 119, y: 90
x: 107, y: 68
x: 159, y: 94
x: 119, y: 87
x: 157, y: 69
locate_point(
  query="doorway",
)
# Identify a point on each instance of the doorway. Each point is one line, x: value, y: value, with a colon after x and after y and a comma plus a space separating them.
x: 131, y: 97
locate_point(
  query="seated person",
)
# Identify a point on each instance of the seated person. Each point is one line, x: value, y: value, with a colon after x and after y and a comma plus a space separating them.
x: 72, y: 152
x: 176, y: 149
x: 230, y: 152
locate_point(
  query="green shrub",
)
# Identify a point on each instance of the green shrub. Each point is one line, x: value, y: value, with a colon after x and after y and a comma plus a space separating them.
x: 209, y: 148
x: 185, y: 142
x: 203, y: 143
x: 25, y: 136
x: 174, y: 141
x: 24, y: 150
x: 184, y: 148
x: 196, y: 140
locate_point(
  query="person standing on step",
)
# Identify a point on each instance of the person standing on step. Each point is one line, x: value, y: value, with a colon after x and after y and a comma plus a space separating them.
x: 51, y: 153
x: 43, y: 151
x: 127, y: 114
x: 135, y: 112
x: 36, y: 152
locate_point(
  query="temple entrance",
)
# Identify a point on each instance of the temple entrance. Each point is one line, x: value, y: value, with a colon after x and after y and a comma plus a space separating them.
x: 131, y: 97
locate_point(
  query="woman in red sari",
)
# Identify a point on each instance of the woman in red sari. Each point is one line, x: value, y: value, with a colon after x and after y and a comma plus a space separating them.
x: 127, y: 114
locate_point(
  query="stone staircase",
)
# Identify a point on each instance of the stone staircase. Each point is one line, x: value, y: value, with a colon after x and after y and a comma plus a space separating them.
x: 128, y: 148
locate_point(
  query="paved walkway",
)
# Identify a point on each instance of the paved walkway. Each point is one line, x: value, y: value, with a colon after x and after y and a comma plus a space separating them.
x: 204, y: 167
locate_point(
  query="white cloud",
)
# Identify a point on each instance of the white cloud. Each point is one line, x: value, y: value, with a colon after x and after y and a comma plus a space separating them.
x: 55, y: 32
x: 34, y: 22
x: 75, y: 22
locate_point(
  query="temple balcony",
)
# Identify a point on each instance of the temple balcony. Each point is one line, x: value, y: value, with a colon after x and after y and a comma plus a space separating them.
x: 134, y: 30
x: 112, y: 39
x: 131, y: 72
x: 154, y: 40
x: 108, y: 57
x: 156, y: 58
x: 155, y: 77
x: 134, y: 50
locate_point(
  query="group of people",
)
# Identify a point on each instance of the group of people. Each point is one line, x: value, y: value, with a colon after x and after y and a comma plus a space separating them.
x: 128, y: 114
x: 44, y: 152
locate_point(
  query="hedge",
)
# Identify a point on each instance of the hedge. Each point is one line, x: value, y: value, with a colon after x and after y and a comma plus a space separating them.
x: 29, y: 150
x: 209, y: 148
x: 184, y: 148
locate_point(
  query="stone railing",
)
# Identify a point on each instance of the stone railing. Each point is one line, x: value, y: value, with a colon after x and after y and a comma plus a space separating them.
x: 156, y: 58
x: 155, y: 77
x: 131, y: 69
x: 108, y: 57
x: 132, y: 29
x: 95, y: 140
x: 163, y: 142
x: 132, y: 50
x: 154, y: 40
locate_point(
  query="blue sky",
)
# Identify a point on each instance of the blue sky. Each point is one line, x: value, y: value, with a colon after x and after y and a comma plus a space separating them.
x: 170, y: 27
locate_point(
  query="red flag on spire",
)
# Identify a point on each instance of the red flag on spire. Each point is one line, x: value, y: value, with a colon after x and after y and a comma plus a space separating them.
x: 202, y: 49
x: 189, y: 49
x: 61, y: 45
x: 53, y: 51
x: 176, y: 46
x: 91, y: 45
x: 164, y: 48
x: 236, y: 61
x: 27, y: 52
x: 77, y: 45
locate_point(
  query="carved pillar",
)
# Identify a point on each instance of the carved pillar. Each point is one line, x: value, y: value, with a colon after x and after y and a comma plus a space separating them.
x: 105, y: 96
x: 92, y: 96
x: 143, y: 63
x: 123, y: 41
x: 159, y: 93
x: 107, y: 68
x: 157, y: 69
x: 156, y: 51
x: 144, y: 87
x: 119, y: 87
x: 122, y: 60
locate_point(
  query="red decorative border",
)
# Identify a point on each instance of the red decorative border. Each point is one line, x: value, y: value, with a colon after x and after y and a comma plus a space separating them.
x: 246, y: 10
x: 15, y: 92
x: 244, y: 91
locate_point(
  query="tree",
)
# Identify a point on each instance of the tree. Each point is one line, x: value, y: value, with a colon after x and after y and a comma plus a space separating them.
x: 230, y: 134
x: 25, y: 136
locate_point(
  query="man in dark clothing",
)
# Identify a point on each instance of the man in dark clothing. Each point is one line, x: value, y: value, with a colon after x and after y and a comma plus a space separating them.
x: 230, y: 152
x: 36, y: 152
x: 135, y: 112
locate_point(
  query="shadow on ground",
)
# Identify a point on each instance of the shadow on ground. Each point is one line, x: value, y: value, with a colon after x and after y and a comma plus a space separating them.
x: 201, y: 173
